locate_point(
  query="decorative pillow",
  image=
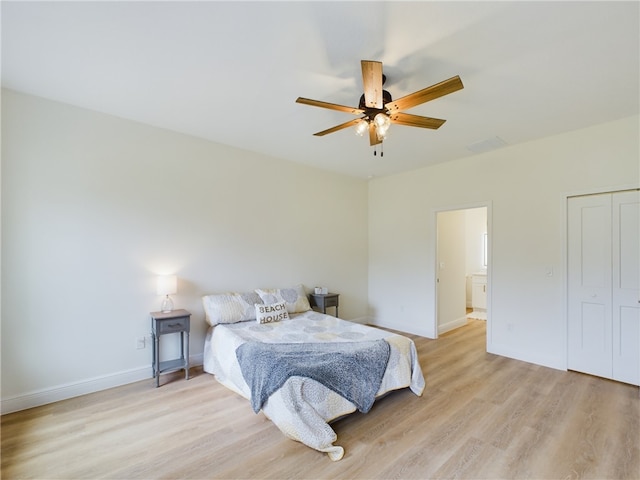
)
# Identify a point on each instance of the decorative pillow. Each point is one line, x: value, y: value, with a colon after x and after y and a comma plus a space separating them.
x: 295, y: 298
x: 231, y: 307
x: 273, y: 312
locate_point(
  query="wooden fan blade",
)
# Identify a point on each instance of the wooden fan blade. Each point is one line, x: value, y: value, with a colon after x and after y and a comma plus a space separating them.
x: 373, y: 136
x: 372, y: 83
x: 426, y: 94
x: 348, y: 124
x: 330, y: 106
x: 416, y: 120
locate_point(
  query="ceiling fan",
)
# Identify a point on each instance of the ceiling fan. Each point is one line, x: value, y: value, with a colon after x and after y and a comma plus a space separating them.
x: 379, y: 110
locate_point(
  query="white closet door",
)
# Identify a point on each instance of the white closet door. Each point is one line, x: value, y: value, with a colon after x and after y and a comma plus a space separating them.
x: 589, y: 285
x: 626, y: 287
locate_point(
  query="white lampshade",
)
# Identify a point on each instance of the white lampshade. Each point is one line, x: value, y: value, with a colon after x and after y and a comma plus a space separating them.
x: 167, y: 285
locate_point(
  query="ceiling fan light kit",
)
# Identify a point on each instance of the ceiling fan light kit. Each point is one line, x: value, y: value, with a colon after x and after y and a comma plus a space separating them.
x: 362, y: 126
x: 379, y: 110
x: 381, y: 123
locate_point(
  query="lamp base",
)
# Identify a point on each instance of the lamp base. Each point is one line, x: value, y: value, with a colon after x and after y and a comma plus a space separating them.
x: 167, y: 305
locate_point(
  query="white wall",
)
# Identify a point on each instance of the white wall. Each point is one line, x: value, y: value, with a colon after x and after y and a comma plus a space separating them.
x: 525, y: 187
x: 94, y: 207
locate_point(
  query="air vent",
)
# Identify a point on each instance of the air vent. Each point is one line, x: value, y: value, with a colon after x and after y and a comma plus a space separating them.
x: 486, y: 145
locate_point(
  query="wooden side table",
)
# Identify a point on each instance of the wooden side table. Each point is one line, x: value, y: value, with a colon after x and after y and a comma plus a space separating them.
x: 324, y: 300
x: 177, y: 321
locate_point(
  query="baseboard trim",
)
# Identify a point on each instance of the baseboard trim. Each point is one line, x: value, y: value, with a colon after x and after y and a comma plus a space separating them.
x: 529, y: 357
x: 83, y: 387
x: 452, y: 325
x: 362, y: 320
x: 400, y: 327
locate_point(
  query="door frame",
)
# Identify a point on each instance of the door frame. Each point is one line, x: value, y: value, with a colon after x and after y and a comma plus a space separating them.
x: 434, y: 257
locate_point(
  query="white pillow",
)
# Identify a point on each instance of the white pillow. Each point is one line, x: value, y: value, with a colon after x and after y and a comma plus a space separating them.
x: 295, y: 298
x: 273, y: 312
x: 231, y: 307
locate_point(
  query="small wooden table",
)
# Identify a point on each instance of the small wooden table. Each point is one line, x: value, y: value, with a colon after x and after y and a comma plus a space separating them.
x: 324, y: 300
x: 176, y: 321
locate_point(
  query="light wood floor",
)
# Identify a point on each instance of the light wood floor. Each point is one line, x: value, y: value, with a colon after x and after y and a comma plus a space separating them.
x: 481, y: 416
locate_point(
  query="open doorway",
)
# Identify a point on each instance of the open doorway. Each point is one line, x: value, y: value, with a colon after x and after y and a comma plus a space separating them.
x: 462, y: 266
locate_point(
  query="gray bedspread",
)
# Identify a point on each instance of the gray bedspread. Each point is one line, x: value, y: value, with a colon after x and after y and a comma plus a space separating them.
x: 354, y: 370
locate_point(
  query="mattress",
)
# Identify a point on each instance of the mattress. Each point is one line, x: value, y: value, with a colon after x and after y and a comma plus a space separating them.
x: 303, y: 408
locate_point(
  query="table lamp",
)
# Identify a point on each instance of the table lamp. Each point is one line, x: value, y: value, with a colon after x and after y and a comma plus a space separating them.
x: 167, y: 285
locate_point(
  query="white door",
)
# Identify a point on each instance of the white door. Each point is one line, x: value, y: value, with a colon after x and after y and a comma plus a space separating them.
x: 626, y: 287
x: 604, y: 285
x: 589, y: 278
x: 451, y: 287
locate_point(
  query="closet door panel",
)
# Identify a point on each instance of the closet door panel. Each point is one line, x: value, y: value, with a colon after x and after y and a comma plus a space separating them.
x: 626, y: 286
x: 626, y: 360
x: 589, y: 280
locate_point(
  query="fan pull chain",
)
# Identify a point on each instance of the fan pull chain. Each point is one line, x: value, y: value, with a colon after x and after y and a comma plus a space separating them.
x: 375, y: 150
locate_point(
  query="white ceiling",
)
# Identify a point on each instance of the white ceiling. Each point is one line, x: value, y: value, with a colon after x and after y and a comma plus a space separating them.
x: 230, y: 71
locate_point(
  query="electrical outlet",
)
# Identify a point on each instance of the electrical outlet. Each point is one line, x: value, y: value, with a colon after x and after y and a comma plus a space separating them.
x: 141, y: 343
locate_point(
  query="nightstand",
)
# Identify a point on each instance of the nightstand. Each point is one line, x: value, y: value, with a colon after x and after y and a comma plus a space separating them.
x: 324, y: 300
x: 177, y: 321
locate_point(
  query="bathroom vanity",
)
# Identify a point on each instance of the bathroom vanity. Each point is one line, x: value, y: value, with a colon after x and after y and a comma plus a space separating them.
x: 479, y: 292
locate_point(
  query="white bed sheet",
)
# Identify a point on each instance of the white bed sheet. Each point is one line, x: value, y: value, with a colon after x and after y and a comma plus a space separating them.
x: 302, y: 408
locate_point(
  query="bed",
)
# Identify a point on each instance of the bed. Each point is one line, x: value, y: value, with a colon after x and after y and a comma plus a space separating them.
x: 276, y: 334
